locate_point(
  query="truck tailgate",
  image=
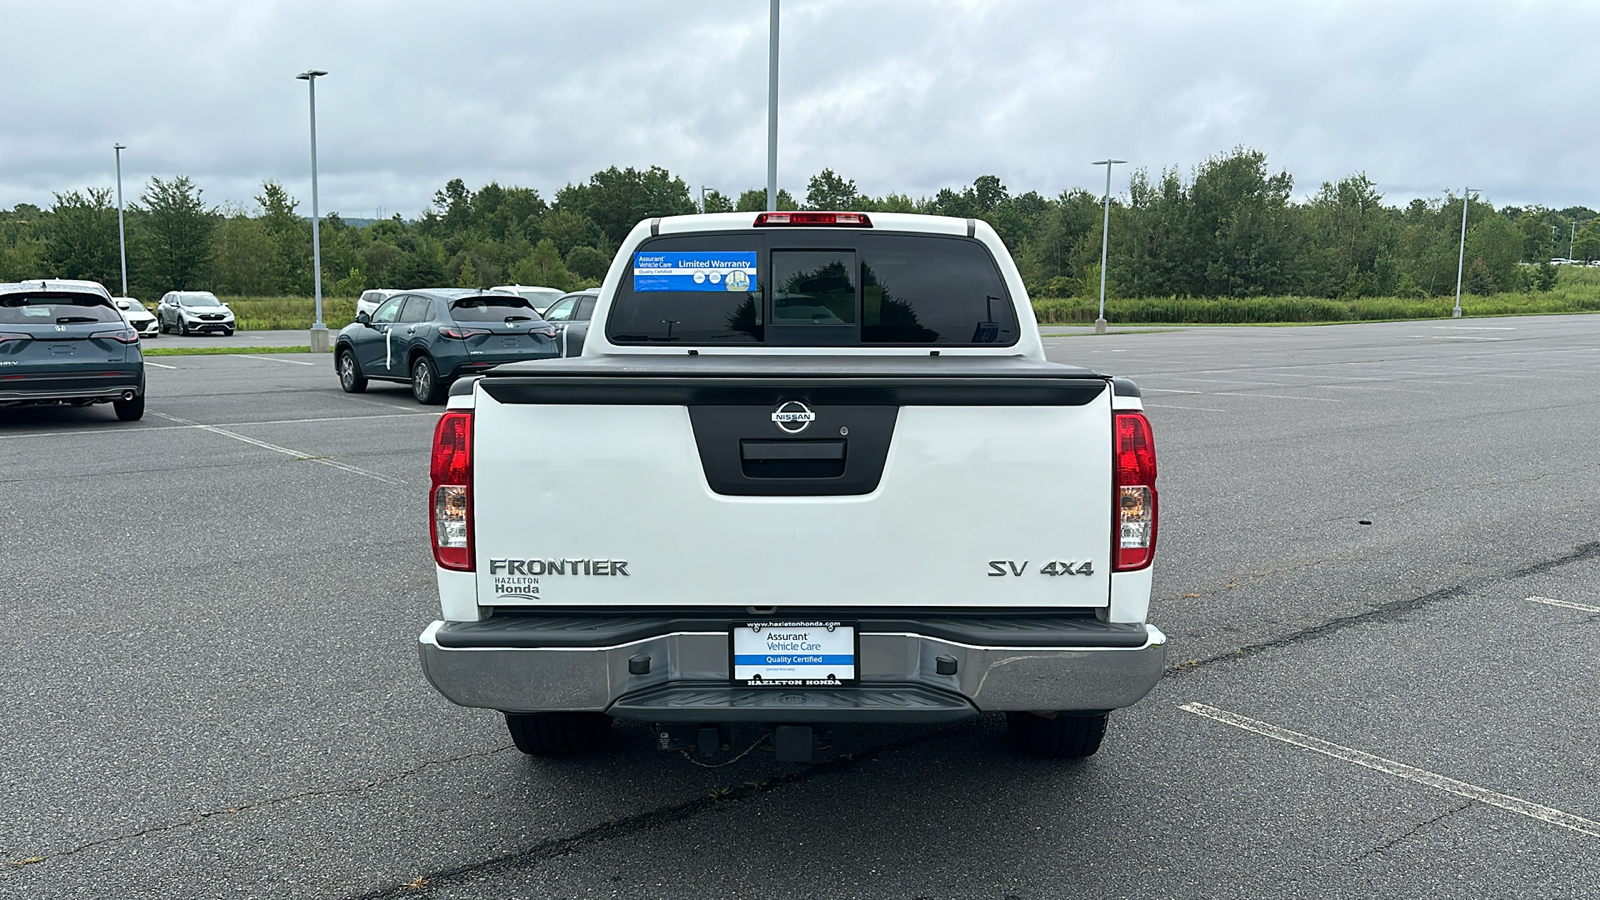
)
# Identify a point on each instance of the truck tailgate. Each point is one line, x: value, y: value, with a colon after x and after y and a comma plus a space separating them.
x: 925, y: 488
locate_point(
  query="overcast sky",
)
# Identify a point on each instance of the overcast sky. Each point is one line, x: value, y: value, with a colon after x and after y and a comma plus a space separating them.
x: 904, y: 96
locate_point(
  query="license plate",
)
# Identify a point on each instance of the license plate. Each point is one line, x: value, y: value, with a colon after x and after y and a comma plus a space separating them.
x: 794, y: 654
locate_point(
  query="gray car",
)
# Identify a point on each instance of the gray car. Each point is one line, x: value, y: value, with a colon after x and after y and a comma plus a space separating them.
x: 65, y: 344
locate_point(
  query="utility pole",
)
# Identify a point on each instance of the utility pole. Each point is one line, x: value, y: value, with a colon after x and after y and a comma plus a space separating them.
x: 772, y: 108
x: 1461, y: 255
x: 122, y: 235
x: 319, y: 329
x: 1105, y: 243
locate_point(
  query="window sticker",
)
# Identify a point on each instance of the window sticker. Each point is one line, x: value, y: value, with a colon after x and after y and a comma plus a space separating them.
x: 709, y: 270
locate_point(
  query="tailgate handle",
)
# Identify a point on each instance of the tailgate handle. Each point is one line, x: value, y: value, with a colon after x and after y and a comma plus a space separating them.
x: 784, y: 450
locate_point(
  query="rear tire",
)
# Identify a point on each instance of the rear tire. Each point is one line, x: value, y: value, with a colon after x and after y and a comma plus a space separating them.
x: 559, y: 733
x: 425, y: 383
x: 1067, y: 736
x: 129, y: 410
x: 350, y: 377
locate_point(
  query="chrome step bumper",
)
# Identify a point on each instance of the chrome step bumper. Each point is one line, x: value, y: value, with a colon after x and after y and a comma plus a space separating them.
x: 685, y: 676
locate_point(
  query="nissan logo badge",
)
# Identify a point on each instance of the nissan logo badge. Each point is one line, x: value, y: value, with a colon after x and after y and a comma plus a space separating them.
x: 793, y: 417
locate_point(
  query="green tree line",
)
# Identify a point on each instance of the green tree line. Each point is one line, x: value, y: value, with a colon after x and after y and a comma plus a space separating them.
x: 1229, y: 228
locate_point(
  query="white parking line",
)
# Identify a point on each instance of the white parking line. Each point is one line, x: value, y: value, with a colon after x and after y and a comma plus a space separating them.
x: 1170, y: 406
x: 1400, y: 770
x: 293, y: 362
x: 1564, y: 604
x: 305, y: 457
x: 159, y: 365
x: 38, y: 434
x: 1241, y: 394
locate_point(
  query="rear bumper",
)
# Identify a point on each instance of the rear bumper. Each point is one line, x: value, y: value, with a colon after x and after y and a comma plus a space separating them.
x: 477, y: 364
x: 32, y: 389
x: 516, y: 666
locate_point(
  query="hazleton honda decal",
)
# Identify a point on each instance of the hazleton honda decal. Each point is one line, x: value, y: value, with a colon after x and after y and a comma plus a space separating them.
x: 519, y: 578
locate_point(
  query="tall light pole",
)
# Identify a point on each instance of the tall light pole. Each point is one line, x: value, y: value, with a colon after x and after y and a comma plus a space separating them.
x: 122, y: 235
x: 1572, y: 242
x: 1461, y: 255
x: 772, y: 107
x: 1105, y: 242
x: 319, y: 330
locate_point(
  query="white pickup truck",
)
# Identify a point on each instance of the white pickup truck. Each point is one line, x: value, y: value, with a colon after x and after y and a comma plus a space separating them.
x: 810, y: 469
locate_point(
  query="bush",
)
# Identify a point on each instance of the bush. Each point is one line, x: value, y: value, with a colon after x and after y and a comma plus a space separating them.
x: 283, y: 313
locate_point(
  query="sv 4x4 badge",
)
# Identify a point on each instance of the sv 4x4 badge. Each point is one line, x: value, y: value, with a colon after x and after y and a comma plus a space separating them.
x: 1002, y: 567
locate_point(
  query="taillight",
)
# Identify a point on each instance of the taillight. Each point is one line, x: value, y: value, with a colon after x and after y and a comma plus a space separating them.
x: 837, y: 219
x: 12, y: 336
x: 1133, y: 491
x: 461, y: 334
x: 451, y: 470
x: 126, y: 336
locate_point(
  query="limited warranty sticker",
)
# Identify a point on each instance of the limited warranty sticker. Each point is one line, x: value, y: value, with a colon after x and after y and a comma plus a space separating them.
x: 704, y: 271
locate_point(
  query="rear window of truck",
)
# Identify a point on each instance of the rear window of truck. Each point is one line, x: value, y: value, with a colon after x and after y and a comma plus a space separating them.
x: 813, y: 288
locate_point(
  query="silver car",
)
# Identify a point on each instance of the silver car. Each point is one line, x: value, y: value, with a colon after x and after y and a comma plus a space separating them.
x: 193, y: 312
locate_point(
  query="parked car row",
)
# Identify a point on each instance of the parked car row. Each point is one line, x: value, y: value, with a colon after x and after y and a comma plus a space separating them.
x: 71, y: 342
x: 66, y: 343
x: 430, y: 337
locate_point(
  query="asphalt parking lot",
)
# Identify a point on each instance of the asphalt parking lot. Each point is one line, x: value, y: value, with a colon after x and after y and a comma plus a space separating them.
x: 1379, y: 566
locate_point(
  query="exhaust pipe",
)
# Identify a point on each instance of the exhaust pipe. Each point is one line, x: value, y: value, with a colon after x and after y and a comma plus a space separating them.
x: 127, y: 395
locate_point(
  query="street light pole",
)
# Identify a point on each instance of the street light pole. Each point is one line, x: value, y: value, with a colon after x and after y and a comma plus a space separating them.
x: 122, y: 234
x: 772, y: 108
x: 1572, y: 242
x: 1105, y: 243
x: 1461, y: 255
x: 319, y: 329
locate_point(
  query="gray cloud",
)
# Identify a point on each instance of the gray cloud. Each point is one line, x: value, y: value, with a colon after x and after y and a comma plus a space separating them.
x: 901, y: 95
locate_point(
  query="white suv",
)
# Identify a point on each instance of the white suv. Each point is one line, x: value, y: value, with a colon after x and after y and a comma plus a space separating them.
x: 191, y: 312
x: 369, y: 301
x: 540, y: 297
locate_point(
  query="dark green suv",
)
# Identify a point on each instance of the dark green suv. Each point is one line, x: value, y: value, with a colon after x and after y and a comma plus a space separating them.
x: 64, y: 343
x: 430, y: 337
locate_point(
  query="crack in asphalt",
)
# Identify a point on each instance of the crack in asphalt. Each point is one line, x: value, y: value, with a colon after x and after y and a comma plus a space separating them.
x: 207, y: 815
x: 1394, y: 609
x: 1414, y: 830
x: 651, y: 819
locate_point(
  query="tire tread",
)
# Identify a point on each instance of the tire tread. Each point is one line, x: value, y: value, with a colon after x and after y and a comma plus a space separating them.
x: 559, y: 733
x: 1067, y: 736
